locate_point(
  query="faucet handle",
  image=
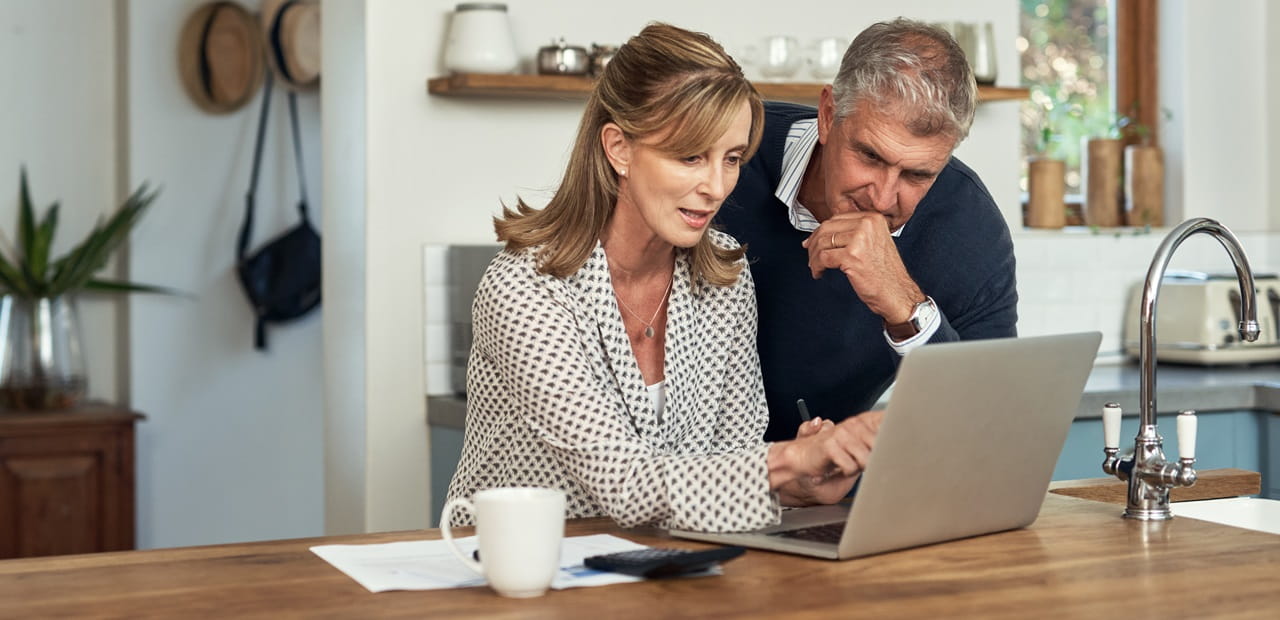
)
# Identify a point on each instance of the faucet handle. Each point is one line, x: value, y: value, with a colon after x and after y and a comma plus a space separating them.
x: 1187, y: 435
x: 1111, y: 426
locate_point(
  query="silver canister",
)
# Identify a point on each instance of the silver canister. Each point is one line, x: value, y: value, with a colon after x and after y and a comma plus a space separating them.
x: 560, y: 58
x: 480, y: 40
x: 600, y: 56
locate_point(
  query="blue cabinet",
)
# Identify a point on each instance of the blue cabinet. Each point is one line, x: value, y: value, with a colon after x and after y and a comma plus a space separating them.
x: 1241, y: 439
x: 446, y: 450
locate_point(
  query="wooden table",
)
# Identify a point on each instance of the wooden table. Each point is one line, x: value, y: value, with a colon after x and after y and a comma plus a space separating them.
x: 1079, y: 560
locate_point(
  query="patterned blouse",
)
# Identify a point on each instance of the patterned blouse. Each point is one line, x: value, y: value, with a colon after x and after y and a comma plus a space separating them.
x: 555, y: 399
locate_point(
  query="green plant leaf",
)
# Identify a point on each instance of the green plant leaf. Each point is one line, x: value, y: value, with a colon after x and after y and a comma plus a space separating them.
x: 117, y: 286
x: 75, y: 269
x: 41, y: 243
x: 12, y: 280
x: 26, y: 215
x: 26, y: 231
x: 31, y: 273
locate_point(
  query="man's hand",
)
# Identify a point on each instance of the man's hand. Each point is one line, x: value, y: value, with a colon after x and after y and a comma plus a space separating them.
x: 860, y: 245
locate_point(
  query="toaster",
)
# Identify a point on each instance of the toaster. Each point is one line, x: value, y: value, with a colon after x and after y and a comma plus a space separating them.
x: 1198, y: 318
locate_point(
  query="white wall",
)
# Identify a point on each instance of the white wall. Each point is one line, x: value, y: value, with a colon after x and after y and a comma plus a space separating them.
x: 233, y: 445
x: 1272, y: 62
x: 63, y: 131
x: 346, y: 444
x: 1222, y: 109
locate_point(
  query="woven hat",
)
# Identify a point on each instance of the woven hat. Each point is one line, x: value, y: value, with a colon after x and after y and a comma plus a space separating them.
x: 220, y: 56
x: 291, y: 29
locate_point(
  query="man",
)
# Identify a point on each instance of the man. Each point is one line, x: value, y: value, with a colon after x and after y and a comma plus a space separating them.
x: 866, y: 237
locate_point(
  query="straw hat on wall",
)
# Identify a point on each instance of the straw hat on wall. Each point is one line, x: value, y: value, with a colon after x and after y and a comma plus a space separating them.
x: 220, y: 56
x: 291, y: 30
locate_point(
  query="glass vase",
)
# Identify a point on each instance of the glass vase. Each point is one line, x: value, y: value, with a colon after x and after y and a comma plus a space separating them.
x: 42, y: 365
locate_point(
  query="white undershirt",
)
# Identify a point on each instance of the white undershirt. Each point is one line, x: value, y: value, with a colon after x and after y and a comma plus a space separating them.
x: 658, y: 396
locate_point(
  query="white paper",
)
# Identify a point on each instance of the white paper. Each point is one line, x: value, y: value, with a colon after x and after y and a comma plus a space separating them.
x: 430, y: 565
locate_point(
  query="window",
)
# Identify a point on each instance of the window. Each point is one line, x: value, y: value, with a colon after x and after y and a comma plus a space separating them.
x: 1087, y: 63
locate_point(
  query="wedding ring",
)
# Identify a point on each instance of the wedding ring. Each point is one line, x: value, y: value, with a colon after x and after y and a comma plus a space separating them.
x: 833, y: 241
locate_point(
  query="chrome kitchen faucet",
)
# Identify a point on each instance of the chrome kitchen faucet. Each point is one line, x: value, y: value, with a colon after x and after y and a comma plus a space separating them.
x: 1149, y: 474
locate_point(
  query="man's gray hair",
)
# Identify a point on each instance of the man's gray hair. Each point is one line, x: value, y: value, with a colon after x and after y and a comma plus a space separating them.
x: 912, y: 71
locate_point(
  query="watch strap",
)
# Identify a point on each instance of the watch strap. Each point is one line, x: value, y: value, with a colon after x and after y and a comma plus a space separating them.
x: 902, y: 331
x: 913, y: 325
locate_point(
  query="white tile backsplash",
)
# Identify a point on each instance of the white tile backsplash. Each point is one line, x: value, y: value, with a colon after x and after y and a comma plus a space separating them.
x: 435, y: 303
x: 437, y: 312
x: 435, y: 265
x: 1078, y: 281
x: 439, y: 375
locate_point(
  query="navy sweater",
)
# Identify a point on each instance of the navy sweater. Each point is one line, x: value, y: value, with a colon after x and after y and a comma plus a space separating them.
x: 817, y: 340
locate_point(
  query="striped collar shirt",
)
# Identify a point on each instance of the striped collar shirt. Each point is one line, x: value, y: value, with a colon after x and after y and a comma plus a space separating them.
x: 797, y: 150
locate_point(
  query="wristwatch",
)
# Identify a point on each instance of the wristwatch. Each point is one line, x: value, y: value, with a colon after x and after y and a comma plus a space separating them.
x: 923, y: 313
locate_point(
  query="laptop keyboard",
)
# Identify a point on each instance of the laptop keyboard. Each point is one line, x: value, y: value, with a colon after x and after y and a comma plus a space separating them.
x: 827, y: 533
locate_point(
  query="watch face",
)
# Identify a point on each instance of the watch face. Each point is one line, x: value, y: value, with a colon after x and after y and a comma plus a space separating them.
x: 923, y: 314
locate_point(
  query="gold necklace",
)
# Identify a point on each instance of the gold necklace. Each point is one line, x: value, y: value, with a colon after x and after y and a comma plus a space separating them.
x: 648, y: 326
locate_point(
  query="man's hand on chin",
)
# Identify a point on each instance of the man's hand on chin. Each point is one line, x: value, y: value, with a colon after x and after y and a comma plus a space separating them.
x: 860, y: 245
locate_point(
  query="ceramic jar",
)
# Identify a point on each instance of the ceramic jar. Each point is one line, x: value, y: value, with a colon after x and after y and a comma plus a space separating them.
x: 480, y: 40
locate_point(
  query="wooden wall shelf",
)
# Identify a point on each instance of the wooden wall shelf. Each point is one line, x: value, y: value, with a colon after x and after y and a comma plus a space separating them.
x: 574, y: 87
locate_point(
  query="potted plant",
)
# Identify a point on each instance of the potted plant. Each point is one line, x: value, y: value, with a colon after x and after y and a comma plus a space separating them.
x: 1143, y: 173
x: 41, y: 359
x: 1102, y: 171
x: 1046, y: 183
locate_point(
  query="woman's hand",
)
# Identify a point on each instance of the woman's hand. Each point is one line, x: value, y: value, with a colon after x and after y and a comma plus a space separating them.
x: 810, y: 490
x: 821, y: 464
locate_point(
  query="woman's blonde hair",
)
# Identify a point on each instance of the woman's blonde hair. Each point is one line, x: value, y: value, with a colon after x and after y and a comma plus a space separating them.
x: 665, y: 78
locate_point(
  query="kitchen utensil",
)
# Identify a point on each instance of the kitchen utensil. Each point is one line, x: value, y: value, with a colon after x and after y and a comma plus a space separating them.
x: 825, y: 56
x: 979, y: 44
x: 560, y: 58
x: 600, y: 56
x: 983, y: 59
x: 777, y: 57
x: 480, y: 40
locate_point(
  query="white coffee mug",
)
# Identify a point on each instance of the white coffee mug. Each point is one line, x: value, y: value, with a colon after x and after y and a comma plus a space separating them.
x: 519, y: 530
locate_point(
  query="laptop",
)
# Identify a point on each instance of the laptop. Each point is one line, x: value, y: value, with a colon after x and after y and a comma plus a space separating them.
x: 968, y: 445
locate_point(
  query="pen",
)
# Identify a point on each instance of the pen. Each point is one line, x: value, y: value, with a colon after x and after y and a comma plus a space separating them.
x: 804, y: 410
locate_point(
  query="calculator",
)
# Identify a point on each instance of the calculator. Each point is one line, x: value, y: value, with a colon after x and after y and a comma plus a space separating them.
x: 659, y: 562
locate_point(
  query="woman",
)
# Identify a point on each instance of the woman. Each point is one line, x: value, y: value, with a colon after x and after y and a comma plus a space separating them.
x: 614, y: 338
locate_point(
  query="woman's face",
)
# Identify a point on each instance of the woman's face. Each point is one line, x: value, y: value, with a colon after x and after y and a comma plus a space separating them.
x: 675, y: 196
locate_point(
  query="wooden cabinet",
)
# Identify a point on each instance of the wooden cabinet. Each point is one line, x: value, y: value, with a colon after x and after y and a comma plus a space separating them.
x: 66, y: 481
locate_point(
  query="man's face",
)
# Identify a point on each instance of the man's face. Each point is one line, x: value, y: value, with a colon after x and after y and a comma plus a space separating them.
x: 872, y: 162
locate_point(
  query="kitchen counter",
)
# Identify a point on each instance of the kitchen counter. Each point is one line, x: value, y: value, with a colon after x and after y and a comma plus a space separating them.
x: 1080, y: 559
x: 1218, y: 388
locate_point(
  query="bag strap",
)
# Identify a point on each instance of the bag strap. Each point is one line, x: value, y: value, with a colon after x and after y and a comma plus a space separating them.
x: 246, y: 227
x: 297, y: 156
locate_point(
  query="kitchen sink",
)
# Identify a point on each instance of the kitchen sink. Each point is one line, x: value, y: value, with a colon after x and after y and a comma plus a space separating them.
x: 1252, y: 513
